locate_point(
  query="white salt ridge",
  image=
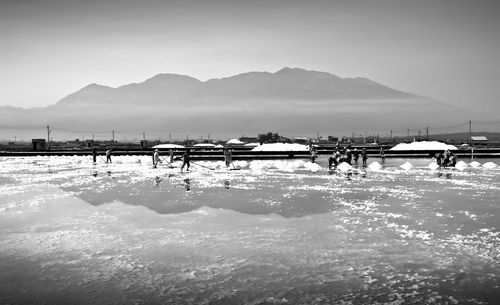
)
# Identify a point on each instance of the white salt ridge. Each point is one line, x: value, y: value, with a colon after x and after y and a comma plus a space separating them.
x: 313, y: 167
x: 490, y: 165
x: 406, y: 166
x: 423, y: 145
x: 433, y: 166
x: 461, y: 165
x: 344, y: 167
x: 475, y: 164
x: 281, y: 147
x: 375, y: 166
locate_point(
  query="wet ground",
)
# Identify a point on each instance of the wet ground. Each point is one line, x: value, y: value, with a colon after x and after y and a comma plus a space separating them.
x: 265, y: 232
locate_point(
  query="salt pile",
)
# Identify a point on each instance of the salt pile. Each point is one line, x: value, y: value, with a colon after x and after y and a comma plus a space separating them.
x: 406, y: 166
x: 424, y: 145
x: 490, y: 165
x: 433, y: 166
x: 475, y: 164
x: 313, y: 167
x: 375, y: 166
x: 461, y: 165
x: 281, y: 147
x: 344, y: 167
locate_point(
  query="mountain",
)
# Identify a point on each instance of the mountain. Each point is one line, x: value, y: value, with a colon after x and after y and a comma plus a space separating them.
x: 289, y: 101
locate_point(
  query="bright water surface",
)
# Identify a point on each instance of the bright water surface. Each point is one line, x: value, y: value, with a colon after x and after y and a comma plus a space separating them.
x: 272, y: 232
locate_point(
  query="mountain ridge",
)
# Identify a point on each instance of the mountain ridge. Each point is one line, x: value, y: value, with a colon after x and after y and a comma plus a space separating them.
x: 290, y: 100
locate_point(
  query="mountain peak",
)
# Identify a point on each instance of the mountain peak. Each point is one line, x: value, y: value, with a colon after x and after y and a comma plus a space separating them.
x: 170, y: 77
x: 95, y: 86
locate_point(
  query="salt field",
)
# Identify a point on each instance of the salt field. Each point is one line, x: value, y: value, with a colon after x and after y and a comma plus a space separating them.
x: 264, y: 232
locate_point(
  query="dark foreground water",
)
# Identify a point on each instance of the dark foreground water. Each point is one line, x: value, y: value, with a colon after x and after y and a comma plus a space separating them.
x: 272, y: 232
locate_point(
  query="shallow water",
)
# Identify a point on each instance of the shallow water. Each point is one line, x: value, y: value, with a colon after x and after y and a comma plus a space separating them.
x: 271, y: 232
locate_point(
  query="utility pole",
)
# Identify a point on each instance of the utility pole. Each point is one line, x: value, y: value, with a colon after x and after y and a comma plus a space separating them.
x: 170, y: 138
x: 48, y: 137
x: 427, y: 132
x: 391, y: 135
x: 408, y: 133
x: 470, y: 133
x: 92, y: 137
x: 113, y: 132
x: 143, y: 136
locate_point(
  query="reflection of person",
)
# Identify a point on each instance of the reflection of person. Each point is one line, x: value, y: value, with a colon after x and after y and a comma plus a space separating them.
x: 94, y: 155
x: 185, y: 158
x: 108, y: 156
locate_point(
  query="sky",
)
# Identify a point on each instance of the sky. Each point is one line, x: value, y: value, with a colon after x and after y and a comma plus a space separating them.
x: 448, y: 50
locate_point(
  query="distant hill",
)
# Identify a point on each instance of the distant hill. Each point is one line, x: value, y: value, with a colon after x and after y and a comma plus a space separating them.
x: 289, y: 101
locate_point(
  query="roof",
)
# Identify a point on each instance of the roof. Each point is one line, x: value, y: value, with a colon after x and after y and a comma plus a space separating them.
x: 168, y: 146
x: 234, y: 141
x: 478, y: 138
x: 204, y: 145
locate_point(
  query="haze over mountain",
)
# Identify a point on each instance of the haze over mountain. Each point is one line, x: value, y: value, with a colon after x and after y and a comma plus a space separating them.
x: 291, y: 101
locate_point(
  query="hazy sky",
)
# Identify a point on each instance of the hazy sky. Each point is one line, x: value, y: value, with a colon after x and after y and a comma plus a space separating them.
x: 445, y: 49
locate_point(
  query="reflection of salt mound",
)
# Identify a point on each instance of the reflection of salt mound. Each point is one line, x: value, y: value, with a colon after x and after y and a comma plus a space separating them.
x: 433, y: 166
x: 406, y: 166
x: 461, y: 165
x: 489, y: 165
x: 424, y: 145
x: 287, y: 166
x: 375, y: 166
x: 475, y: 164
x: 281, y: 147
x: 344, y: 167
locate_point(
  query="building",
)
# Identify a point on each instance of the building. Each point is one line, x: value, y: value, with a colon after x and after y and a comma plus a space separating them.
x: 38, y: 144
x: 479, y: 141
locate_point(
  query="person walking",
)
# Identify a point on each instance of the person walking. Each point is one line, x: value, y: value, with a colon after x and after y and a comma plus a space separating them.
x: 185, y: 160
x: 356, y: 155
x: 382, y: 154
x: 364, y: 156
x: 228, y: 156
x: 171, y: 155
x: 108, y: 155
x: 156, y: 158
x: 94, y: 155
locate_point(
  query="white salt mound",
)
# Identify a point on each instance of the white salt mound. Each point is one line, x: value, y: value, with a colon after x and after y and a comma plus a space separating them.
x: 313, y: 167
x: 433, y: 166
x: 490, y: 165
x: 375, y: 166
x: 406, y: 166
x: 344, y: 167
x: 281, y: 147
x: 475, y: 164
x: 461, y: 165
x: 423, y: 145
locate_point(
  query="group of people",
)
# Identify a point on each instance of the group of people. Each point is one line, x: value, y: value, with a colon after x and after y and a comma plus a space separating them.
x: 347, y: 155
x: 445, y: 158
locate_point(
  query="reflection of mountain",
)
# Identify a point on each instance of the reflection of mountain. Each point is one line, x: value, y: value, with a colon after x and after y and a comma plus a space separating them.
x: 290, y: 101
